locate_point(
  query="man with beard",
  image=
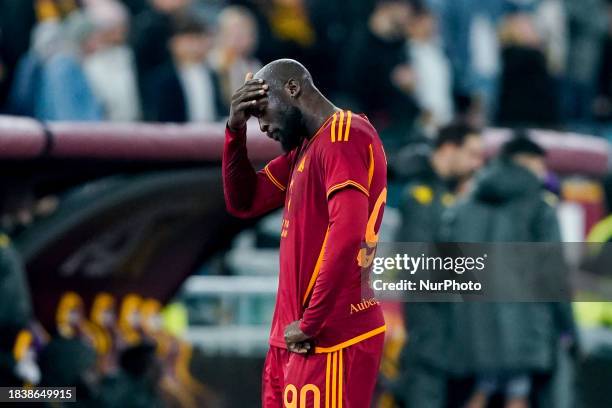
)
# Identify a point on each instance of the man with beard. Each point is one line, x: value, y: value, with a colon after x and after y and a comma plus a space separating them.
x: 433, y: 179
x: 325, y: 346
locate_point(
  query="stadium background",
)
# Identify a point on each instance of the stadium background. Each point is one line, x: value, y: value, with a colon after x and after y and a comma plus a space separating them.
x: 111, y: 168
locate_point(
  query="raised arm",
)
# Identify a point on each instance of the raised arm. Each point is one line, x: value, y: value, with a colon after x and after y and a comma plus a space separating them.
x: 249, y: 193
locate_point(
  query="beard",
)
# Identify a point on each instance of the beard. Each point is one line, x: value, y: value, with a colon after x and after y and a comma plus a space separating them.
x: 293, y: 129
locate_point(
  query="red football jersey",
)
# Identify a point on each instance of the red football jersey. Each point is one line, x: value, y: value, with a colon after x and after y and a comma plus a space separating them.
x: 346, y: 152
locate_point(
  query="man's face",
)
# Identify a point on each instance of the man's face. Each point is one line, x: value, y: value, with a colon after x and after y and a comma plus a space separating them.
x: 397, y: 15
x: 280, y: 119
x: 239, y: 35
x: 190, y: 48
x: 467, y: 158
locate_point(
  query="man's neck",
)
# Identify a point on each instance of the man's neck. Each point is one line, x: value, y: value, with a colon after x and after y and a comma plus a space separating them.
x: 320, y: 110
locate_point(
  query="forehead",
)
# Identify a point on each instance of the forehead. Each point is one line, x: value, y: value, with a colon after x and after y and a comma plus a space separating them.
x: 262, y: 74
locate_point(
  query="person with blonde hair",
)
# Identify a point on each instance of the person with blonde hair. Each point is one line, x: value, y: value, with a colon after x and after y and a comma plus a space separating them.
x: 233, y: 58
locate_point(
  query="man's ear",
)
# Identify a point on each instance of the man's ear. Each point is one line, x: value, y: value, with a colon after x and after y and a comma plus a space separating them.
x: 293, y: 88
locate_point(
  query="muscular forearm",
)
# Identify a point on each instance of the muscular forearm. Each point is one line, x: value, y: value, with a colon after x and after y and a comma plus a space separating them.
x: 348, y: 213
x: 249, y: 193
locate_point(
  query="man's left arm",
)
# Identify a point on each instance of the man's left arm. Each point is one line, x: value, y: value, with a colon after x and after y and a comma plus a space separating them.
x: 346, y: 167
x: 348, y: 217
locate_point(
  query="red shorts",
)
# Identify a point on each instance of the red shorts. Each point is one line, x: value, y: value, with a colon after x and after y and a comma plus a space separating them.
x: 341, y: 379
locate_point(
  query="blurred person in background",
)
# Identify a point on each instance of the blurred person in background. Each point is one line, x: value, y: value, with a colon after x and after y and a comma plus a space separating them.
x: 69, y: 359
x: 27, y: 82
x: 187, y: 89
x: 71, y: 363
x: 18, y: 355
x: 375, y: 74
x: 506, y: 346
x: 291, y: 25
x: 551, y: 21
x: 72, y: 323
x: 527, y: 94
x: 139, y: 384
x: 603, y: 102
x: 65, y: 93
x: 433, y: 177
x: 587, y: 23
x: 602, y: 231
x: 175, y: 356
x: 151, y: 32
x: 51, y: 83
x: 130, y: 321
x: 232, y: 56
x: 103, y: 316
x: 432, y: 72
x: 15, y: 301
x: 326, y: 27
x: 599, y: 258
x: 285, y: 28
x: 16, y: 364
x: 469, y: 32
x: 17, y: 18
x: 111, y: 69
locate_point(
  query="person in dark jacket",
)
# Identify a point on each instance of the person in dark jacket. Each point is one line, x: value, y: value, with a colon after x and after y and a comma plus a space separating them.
x: 151, y: 30
x: 186, y: 89
x: 433, y: 177
x: 15, y: 302
x: 506, y: 345
x: 375, y: 75
x: 527, y: 94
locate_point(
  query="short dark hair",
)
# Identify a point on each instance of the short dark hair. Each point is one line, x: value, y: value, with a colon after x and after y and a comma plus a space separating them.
x: 188, y: 24
x: 521, y: 143
x: 455, y: 134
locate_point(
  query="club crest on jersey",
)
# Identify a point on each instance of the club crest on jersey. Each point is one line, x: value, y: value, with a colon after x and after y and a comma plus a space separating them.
x: 301, y: 165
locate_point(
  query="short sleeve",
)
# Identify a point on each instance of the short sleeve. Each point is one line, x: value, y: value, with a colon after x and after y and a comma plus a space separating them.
x: 346, y: 163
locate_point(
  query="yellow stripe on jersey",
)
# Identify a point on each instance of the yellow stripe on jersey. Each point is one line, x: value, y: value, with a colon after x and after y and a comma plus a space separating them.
x: 349, y: 114
x: 334, y: 375
x: 371, y: 169
x: 317, y: 268
x: 273, y: 179
x: 352, y: 341
x: 327, y: 379
x: 333, y: 129
x: 340, y: 123
x: 346, y: 184
x: 340, y: 379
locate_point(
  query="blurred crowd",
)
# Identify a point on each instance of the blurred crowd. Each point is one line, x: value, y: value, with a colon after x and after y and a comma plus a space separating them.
x: 434, y: 70
x: 117, y: 355
x: 473, y: 354
x: 411, y: 65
